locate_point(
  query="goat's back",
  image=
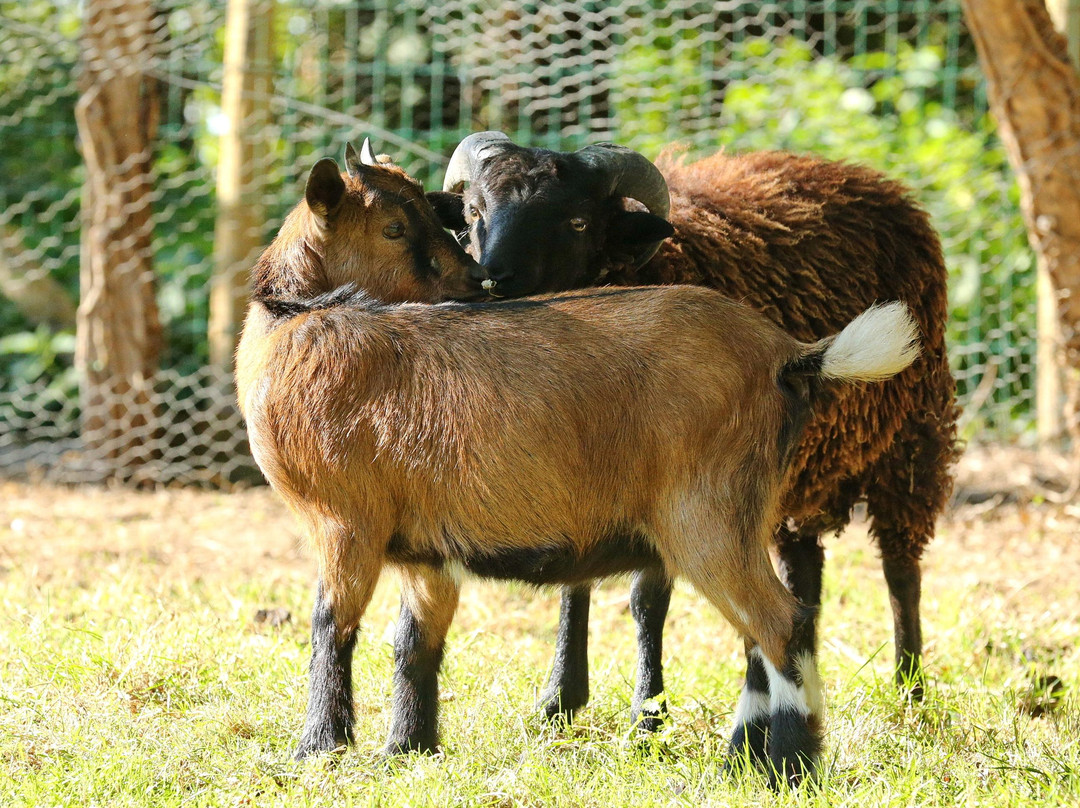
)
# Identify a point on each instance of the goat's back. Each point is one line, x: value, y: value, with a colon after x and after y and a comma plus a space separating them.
x: 570, y: 415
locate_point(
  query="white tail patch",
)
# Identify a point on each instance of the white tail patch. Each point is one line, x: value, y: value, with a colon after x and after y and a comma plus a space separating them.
x: 876, y: 345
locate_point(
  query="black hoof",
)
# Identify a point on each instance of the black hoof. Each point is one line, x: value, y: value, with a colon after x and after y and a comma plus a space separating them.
x: 400, y: 748
x: 310, y: 746
x: 747, y: 747
x: 559, y: 705
x: 794, y: 745
x: 912, y: 682
x: 650, y: 716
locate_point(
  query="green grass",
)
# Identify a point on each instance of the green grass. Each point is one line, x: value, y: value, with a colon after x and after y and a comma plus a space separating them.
x: 133, y: 673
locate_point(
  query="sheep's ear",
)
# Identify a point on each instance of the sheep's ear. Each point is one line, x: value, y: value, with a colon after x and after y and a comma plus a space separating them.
x: 634, y: 230
x: 450, y: 208
x: 325, y: 188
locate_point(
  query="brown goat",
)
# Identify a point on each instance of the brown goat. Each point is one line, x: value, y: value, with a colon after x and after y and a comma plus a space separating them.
x: 548, y: 440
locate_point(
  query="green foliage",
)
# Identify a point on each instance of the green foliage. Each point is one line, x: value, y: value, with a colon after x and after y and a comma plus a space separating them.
x: 649, y: 109
x: 875, y: 109
x: 376, y: 63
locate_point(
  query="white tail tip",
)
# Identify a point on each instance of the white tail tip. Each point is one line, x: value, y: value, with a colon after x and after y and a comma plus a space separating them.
x: 876, y: 345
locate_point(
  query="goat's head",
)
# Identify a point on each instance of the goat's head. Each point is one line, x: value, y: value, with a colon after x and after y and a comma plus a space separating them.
x: 541, y: 221
x: 372, y: 227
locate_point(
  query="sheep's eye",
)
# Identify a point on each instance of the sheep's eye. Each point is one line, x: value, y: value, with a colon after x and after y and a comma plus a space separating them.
x: 394, y: 230
x: 579, y: 225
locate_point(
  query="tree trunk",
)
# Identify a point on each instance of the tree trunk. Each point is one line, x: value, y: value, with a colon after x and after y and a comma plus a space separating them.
x: 242, y: 167
x: 118, y: 330
x: 27, y: 284
x: 1034, y: 92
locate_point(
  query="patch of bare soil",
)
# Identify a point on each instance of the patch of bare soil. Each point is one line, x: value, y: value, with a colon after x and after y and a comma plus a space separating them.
x: 192, y: 532
x: 1006, y: 528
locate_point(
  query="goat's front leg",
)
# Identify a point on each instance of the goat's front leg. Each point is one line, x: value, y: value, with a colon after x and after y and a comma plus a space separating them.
x: 650, y: 596
x: 567, y: 687
x: 349, y: 568
x: 329, y: 724
x: 428, y: 602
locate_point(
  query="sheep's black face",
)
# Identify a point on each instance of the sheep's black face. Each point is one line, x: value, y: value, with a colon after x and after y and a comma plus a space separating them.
x: 540, y: 221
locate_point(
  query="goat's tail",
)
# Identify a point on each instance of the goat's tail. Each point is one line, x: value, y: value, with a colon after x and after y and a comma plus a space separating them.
x: 876, y: 345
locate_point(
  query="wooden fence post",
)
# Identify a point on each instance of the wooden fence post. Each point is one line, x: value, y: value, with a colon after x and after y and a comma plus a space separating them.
x: 118, y: 331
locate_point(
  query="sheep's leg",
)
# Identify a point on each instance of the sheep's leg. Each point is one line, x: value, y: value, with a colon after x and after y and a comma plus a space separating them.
x: 910, y: 487
x: 801, y: 561
x: 567, y: 687
x: 330, y: 702
x: 429, y: 600
x: 650, y: 596
x: 904, y: 578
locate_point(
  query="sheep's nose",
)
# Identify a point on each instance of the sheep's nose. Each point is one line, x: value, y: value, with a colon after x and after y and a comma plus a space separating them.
x: 499, y: 274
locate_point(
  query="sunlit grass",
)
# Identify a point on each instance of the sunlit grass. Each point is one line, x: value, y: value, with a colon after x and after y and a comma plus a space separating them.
x: 134, y: 672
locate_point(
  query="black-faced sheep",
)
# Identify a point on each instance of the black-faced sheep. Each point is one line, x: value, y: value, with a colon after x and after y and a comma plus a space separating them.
x: 425, y: 438
x: 809, y: 243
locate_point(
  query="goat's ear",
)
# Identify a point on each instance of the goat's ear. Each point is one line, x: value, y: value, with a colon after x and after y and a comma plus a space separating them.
x: 325, y: 188
x: 634, y: 230
x: 450, y: 208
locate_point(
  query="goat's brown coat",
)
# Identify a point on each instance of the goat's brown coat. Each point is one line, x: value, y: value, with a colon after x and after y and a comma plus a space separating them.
x: 402, y: 431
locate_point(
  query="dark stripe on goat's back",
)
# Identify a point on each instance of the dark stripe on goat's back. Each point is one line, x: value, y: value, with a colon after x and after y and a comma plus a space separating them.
x: 348, y: 296
x: 527, y: 303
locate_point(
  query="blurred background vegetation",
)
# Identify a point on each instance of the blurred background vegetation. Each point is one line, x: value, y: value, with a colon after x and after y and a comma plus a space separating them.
x: 892, y: 84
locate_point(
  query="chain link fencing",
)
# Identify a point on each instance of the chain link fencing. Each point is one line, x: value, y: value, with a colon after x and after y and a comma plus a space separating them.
x: 892, y: 84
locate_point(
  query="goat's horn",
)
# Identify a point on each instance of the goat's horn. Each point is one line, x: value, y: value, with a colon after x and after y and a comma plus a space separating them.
x: 367, y: 154
x: 631, y: 175
x: 470, y: 151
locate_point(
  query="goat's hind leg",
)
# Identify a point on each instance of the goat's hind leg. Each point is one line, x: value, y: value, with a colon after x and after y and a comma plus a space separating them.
x: 737, y: 577
x: 751, y: 714
x: 801, y: 562
x: 428, y: 602
x: 795, y: 704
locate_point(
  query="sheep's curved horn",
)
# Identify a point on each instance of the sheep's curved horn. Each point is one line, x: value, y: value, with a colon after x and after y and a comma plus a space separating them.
x: 476, y: 147
x: 631, y: 175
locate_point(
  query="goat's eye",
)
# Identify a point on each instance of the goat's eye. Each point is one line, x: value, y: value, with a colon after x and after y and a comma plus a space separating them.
x: 474, y: 212
x: 579, y: 225
x: 394, y: 230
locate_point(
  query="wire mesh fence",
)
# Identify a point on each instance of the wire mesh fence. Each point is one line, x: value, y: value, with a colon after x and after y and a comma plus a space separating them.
x: 892, y: 84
